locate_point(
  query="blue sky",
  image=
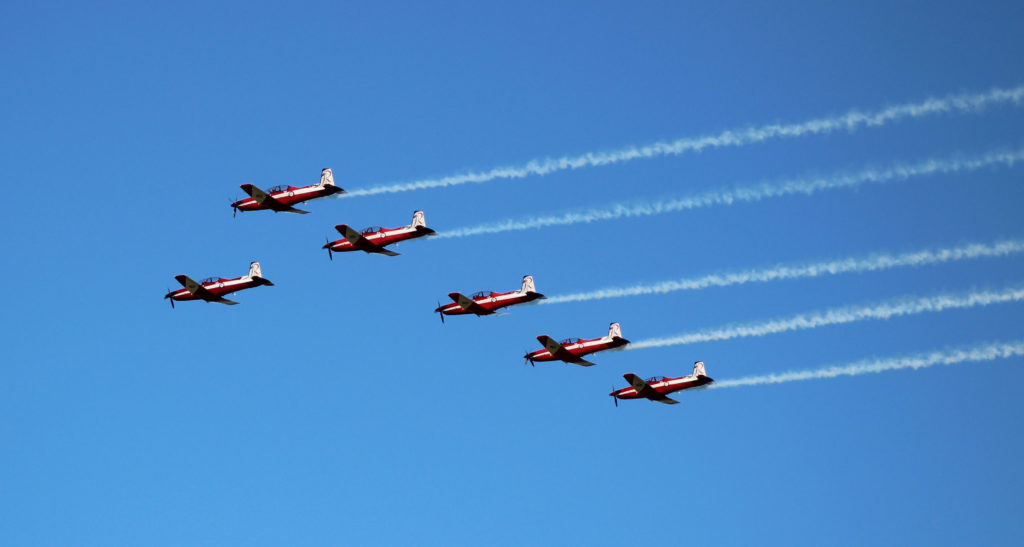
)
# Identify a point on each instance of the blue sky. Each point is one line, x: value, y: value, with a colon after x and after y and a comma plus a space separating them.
x: 335, y: 408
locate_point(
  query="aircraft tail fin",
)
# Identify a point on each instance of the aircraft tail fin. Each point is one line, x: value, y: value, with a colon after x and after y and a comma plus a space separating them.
x: 419, y: 223
x: 614, y: 331
x: 698, y: 369
x: 418, y: 220
x: 256, y: 274
x: 528, y: 285
x: 327, y: 177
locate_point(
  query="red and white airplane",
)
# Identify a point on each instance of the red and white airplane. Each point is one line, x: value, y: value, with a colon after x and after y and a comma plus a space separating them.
x: 657, y: 387
x: 488, y: 302
x: 213, y: 289
x: 373, y: 239
x: 281, y: 198
x: 571, y: 350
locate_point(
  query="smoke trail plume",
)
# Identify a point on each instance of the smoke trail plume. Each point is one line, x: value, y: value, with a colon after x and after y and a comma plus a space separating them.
x: 839, y: 316
x: 847, y: 265
x: 851, y: 121
x: 978, y: 354
x: 757, y: 192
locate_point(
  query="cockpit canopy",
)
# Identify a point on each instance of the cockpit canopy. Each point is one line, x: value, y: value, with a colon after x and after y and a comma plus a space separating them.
x: 568, y: 341
x: 279, y: 188
x: 209, y: 280
x: 482, y: 294
x: 653, y: 379
x: 372, y: 229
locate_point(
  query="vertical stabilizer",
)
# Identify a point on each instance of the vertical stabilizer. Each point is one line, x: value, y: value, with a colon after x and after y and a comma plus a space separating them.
x: 698, y: 369
x: 614, y: 331
x: 418, y: 219
x: 327, y: 177
x: 528, y: 285
x: 254, y: 270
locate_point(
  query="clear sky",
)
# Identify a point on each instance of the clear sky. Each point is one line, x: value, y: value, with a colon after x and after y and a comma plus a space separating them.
x: 334, y: 407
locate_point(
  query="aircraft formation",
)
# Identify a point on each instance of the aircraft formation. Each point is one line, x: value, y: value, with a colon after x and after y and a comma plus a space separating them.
x: 281, y: 199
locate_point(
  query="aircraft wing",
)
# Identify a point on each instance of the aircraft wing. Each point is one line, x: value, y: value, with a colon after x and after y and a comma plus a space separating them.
x: 265, y: 200
x: 359, y: 242
x: 559, y: 352
x: 469, y: 304
x: 200, y: 291
x: 645, y: 390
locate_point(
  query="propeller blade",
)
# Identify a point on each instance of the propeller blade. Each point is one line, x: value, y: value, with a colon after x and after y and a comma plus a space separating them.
x: 439, y: 312
x: 614, y: 398
x: 167, y: 296
x: 329, y: 253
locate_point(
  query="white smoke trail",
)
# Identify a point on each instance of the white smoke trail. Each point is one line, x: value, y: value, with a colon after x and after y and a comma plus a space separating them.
x: 847, y: 265
x: 848, y: 122
x: 871, y: 366
x: 752, y: 193
x: 839, y: 316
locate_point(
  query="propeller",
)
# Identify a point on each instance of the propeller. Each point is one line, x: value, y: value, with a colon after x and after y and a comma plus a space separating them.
x: 439, y: 312
x: 168, y: 297
x: 328, y: 247
x: 614, y: 398
x: 526, y: 359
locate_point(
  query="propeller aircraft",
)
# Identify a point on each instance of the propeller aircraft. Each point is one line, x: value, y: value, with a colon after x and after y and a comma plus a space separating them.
x: 281, y: 198
x: 213, y: 289
x: 657, y: 388
x: 488, y: 302
x: 373, y: 240
x: 572, y: 350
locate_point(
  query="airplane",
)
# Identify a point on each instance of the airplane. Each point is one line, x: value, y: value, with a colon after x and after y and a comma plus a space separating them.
x: 373, y: 239
x: 487, y: 302
x: 657, y: 387
x: 213, y: 289
x: 571, y: 350
x: 281, y: 198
